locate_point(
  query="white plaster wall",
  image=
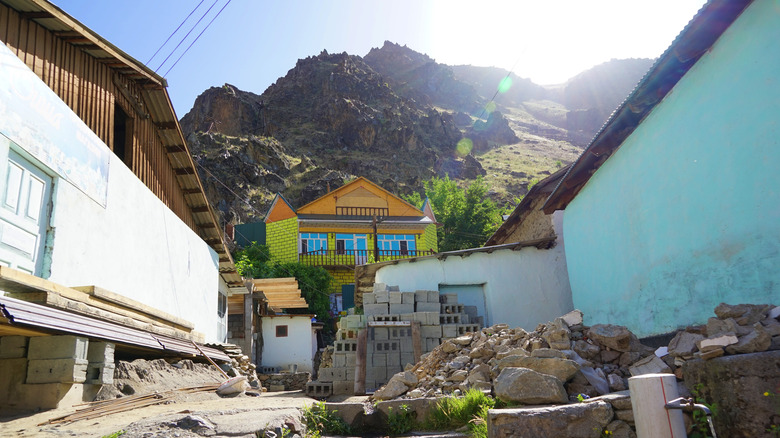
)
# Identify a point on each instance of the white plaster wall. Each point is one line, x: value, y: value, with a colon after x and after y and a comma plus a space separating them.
x: 295, y: 348
x: 136, y: 247
x: 522, y: 288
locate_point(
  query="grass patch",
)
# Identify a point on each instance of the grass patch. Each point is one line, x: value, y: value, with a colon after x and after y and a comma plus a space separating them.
x: 319, y: 420
x: 454, y: 412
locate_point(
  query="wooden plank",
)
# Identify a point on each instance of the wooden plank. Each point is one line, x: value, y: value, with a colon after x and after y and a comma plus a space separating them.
x: 112, y: 297
x: 274, y: 281
x: 249, y: 312
x: 360, y: 363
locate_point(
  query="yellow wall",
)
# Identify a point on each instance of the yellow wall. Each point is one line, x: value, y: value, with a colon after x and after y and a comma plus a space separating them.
x: 327, y: 204
x: 282, y: 240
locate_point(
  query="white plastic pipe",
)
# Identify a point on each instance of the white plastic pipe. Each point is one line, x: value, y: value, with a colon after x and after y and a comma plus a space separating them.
x: 649, y: 394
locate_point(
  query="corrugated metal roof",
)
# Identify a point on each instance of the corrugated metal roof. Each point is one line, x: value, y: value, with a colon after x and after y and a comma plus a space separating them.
x: 23, y: 313
x: 697, y: 37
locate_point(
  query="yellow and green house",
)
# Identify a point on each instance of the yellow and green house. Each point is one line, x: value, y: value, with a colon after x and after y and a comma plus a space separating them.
x: 356, y: 224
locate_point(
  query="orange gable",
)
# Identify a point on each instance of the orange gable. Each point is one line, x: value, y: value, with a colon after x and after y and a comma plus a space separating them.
x: 280, y: 210
x: 360, y: 193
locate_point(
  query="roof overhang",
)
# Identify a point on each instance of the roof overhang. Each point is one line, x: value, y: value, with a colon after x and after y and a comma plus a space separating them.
x: 689, y: 46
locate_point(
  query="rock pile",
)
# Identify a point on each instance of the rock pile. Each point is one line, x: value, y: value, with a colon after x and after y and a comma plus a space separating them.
x: 735, y: 329
x: 555, y: 363
x: 240, y: 365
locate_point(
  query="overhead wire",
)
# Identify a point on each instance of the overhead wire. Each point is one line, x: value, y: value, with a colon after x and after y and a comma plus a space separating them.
x: 185, y: 36
x: 174, y: 32
x: 196, y: 38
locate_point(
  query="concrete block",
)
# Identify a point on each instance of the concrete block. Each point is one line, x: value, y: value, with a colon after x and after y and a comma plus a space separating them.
x: 100, y: 373
x: 319, y: 389
x: 430, y: 331
x: 467, y: 328
x: 380, y: 287
x: 349, y: 374
x: 13, y: 347
x: 351, y: 359
x: 431, y: 343
x: 343, y: 388
x: 379, y: 360
x: 452, y: 308
x: 57, y: 347
x: 381, y: 333
x: 387, y: 318
x: 380, y: 373
x: 275, y: 388
x: 395, y: 297
x: 407, y: 358
x: 376, y: 309
x: 406, y: 345
x: 421, y: 296
x: 57, y: 370
x: 449, y: 318
x: 369, y: 298
x: 339, y: 373
x: 393, y: 359
x: 325, y: 375
x: 344, y: 346
x: 401, y: 308
x: 400, y: 332
x: 407, y: 298
x: 419, y: 317
x: 102, y: 352
x: 431, y: 318
x: 471, y: 311
x: 433, y: 296
x: 393, y: 288
x: 339, y: 360
x: 449, y: 330
x: 407, y: 317
x: 382, y: 297
x: 448, y: 298
x: 428, y: 307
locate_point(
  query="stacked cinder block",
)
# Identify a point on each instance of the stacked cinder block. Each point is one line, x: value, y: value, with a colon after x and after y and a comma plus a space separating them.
x: 100, y: 365
x: 57, y: 359
x: 390, y: 348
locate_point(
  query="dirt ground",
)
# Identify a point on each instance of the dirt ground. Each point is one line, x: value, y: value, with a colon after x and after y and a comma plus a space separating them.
x: 237, y: 416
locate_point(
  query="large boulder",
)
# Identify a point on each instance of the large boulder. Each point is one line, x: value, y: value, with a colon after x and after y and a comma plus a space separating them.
x: 581, y: 420
x: 525, y: 386
x: 561, y: 369
x: 616, y: 337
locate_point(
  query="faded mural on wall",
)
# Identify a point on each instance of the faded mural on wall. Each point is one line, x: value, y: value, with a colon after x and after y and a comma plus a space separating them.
x: 34, y: 118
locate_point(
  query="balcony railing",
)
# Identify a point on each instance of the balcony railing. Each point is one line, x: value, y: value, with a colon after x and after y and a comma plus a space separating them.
x: 351, y: 257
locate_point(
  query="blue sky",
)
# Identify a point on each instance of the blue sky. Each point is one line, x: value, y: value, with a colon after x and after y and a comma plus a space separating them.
x: 254, y: 42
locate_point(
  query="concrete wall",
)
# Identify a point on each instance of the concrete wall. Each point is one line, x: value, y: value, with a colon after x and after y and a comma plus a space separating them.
x: 134, y: 246
x: 522, y: 288
x: 295, y: 348
x: 686, y: 214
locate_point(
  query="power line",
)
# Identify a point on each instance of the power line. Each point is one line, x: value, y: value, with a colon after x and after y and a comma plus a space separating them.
x: 174, y: 32
x: 185, y: 36
x: 196, y: 38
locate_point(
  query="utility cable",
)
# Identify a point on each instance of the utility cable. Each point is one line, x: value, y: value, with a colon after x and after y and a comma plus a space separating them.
x: 196, y: 39
x: 185, y: 36
x: 174, y: 32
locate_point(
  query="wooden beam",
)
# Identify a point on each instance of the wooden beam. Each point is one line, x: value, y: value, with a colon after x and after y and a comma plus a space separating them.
x: 184, y: 171
x: 167, y: 125
x: 36, y: 14
x: 136, y: 104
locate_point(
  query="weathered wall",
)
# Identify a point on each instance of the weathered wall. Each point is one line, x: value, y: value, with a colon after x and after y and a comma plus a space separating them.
x: 736, y: 385
x: 535, y: 225
x: 134, y: 246
x: 686, y: 214
x: 522, y: 288
x: 294, y: 348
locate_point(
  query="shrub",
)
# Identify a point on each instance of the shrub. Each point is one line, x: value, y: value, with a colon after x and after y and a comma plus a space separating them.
x: 319, y: 420
x: 454, y: 412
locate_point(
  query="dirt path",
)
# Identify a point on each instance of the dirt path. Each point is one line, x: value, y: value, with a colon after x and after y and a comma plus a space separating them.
x: 238, y: 416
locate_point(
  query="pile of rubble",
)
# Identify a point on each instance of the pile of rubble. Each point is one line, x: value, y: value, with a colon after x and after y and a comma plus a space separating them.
x: 735, y: 329
x: 240, y: 364
x: 564, y: 361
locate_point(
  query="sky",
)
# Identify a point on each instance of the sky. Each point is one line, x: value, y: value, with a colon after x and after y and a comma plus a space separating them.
x: 252, y: 43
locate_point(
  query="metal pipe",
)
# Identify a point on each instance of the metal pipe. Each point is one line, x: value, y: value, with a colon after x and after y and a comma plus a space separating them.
x: 688, y: 405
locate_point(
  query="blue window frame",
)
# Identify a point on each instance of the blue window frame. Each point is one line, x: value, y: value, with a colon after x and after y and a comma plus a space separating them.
x: 397, y: 244
x: 313, y: 242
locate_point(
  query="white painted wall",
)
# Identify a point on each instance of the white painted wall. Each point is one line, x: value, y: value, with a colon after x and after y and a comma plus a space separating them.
x: 134, y: 246
x: 522, y: 288
x: 295, y: 348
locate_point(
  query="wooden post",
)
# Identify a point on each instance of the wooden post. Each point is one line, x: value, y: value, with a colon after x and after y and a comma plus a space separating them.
x: 416, y: 341
x: 360, y: 363
x: 248, y: 328
x: 376, y: 241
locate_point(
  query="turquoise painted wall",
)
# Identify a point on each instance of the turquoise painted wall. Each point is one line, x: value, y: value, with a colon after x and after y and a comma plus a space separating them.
x: 686, y: 214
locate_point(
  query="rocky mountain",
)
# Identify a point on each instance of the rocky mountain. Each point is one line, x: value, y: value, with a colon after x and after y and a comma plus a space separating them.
x: 394, y: 116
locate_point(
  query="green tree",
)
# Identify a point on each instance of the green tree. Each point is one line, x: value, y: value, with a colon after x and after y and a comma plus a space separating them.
x: 255, y: 261
x: 467, y: 215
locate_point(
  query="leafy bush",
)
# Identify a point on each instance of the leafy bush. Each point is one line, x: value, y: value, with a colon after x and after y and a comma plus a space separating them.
x: 319, y: 420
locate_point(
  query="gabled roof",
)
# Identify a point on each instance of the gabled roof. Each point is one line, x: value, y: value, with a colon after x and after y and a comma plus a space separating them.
x: 428, y: 209
x: 280, y: 210
x: 541, y: 189
x: 360, y: 184
x: 692, y: 43
x: 154, y: 104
